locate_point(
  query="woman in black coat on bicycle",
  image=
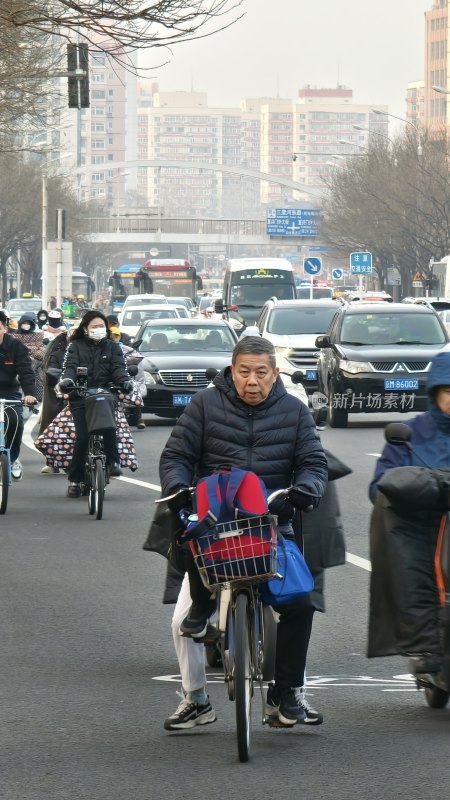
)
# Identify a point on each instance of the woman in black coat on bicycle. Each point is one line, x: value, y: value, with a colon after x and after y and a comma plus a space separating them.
x: 91, y: 347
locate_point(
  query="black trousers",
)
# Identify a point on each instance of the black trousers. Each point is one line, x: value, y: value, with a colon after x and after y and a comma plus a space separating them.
x: 293, y: 631
x: 76, y: 471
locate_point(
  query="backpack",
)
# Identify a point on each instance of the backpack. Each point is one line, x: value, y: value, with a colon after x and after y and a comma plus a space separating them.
x: 233, y: 536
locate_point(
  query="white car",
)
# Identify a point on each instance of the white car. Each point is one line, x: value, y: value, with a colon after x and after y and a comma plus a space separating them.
x: 133, y: 316
x: 292, y: 326
x: 142, y: 300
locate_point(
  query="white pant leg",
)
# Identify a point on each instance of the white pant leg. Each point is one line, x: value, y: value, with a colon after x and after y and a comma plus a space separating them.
x: 190, y: 654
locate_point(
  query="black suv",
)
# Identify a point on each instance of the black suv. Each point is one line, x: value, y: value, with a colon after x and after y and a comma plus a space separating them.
x: 376, y: 357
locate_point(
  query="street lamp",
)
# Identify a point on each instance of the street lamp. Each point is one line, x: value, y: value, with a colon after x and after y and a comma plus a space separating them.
x: 402, y: 119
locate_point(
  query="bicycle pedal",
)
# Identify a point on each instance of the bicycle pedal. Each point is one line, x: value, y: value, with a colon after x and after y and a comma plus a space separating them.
x: 274, y: 722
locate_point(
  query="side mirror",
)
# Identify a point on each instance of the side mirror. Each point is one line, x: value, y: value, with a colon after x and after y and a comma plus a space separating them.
x: 323, y: 341
x: 298, y: 376
x: 219, y: 307
x: 211, y: 373
x: 397, y: 433
x: 132, y: 370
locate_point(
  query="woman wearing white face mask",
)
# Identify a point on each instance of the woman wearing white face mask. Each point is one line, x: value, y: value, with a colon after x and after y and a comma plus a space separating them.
x: 92, y: 348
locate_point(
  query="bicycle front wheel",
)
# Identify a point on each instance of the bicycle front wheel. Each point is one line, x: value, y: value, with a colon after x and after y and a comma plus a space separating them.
x: 99, y: 483
x: 243, y: 677
x: 4, y: 482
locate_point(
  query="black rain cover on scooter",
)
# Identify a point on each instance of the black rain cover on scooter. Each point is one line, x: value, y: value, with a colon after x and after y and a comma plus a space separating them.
x: 416, y: 488
x: 404, y: 606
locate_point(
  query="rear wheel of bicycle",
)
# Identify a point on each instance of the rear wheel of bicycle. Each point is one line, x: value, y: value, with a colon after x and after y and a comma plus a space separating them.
x: 243, y: 676
x: 4, y: 482
x: 99, y: 488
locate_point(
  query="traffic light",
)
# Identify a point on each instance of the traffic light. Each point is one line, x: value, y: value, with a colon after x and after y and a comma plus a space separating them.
x: 78, y: 84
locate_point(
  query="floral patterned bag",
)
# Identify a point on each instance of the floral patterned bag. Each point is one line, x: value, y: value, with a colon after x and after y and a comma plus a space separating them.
x: 57, y: 441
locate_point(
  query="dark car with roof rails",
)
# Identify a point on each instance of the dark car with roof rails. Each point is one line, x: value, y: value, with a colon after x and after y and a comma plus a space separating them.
x: 375, y: 358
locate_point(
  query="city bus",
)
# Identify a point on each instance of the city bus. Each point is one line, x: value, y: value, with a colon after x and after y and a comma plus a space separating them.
x: 249, y: 282
x: 127, y: 279
x: 174, y: 277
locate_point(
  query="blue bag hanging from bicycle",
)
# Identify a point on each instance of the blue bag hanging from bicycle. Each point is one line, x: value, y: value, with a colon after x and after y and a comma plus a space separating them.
x: 293, y: 580
x: 99, y: 412
x: 234, y: 536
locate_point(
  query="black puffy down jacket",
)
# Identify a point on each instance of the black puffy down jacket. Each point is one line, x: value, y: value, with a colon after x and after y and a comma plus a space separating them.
x: 275, y: 439
x: 104, y: 360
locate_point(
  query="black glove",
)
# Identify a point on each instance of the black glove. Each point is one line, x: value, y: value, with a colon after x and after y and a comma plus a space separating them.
x: 302, y: 500
x: 127, y: 386
x: 182, y: 499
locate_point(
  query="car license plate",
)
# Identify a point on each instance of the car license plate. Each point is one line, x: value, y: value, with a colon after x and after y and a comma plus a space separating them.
x: 401, y: 384
x: 311, y: 374
x: 181, y: 399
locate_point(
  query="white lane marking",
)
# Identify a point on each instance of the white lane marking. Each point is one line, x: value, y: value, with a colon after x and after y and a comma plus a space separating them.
x: 395, y: 684
x: 363, y: 563
x: 375, y: 455
x: 145, y: 485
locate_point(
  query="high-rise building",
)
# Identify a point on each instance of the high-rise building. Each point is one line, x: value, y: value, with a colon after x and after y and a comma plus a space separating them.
x: 327, y: 127
x: 415, y: 103
x: 107, y: 132
x: 436, y: 105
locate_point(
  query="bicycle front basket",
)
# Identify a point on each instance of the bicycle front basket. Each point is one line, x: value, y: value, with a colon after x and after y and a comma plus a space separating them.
x: 244, y: 549
x: 99, y: 412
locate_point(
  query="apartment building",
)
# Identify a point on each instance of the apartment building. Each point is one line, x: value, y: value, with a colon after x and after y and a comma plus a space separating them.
x: 329, y: 127
x: 415, y: 103
x: 103, y: 140
x: 436, y: 105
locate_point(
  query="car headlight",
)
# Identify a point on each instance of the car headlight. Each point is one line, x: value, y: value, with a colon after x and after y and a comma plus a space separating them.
x: 354, y: 367
x: 148, y: 378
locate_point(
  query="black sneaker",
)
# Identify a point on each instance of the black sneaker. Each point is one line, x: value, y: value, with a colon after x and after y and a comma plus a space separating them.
x: 291, y: 706
x: 114, y: 470
x: 189, y: 714
x: 424, y: 664
x: 74, y: 490
x: 196, y: 622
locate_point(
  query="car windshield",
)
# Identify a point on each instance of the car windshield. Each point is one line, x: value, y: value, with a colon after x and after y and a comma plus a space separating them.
x: 292, y: 321
x: 319, y: 293
x: 174, y: 338
x: 385, y: 329
x: 24, y: 305
x: 136, y: 317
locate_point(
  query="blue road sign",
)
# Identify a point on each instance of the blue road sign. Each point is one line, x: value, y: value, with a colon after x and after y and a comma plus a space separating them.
x: 361, y: 263
x: 312, y: 265
x: 317, y: 248
x: 292, y: 221
x: 337, y: 274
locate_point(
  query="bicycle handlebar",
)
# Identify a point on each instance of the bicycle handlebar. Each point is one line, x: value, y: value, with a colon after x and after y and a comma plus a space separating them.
x: 276, y: 494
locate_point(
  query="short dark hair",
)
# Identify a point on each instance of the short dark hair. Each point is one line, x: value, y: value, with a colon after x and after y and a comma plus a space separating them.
x: 112, y: 319
x: 86, y: 319
x: 256, y: 346
x: 4, y: 319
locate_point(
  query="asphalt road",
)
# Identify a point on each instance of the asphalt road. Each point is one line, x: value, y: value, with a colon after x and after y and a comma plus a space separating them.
x: 88, y: 667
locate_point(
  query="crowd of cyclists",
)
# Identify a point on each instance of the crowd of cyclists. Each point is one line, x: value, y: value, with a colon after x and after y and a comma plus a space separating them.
x: 246, y: 419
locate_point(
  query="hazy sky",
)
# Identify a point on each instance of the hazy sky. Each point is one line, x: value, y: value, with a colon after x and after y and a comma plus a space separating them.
x: 373, y: 46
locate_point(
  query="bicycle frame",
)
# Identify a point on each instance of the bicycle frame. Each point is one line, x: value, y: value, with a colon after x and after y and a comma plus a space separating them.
x: 3, y: 448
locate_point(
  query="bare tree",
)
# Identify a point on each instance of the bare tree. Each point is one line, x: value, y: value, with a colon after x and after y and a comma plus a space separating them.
x: 120, y: 27
x: 395, y: 202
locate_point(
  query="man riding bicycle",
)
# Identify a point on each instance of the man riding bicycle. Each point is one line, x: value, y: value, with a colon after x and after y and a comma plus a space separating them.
x: 246, y: 420
x: 16, y: 372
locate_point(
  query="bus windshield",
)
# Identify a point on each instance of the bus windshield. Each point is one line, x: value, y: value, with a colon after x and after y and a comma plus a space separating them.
x: 255, y: 293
